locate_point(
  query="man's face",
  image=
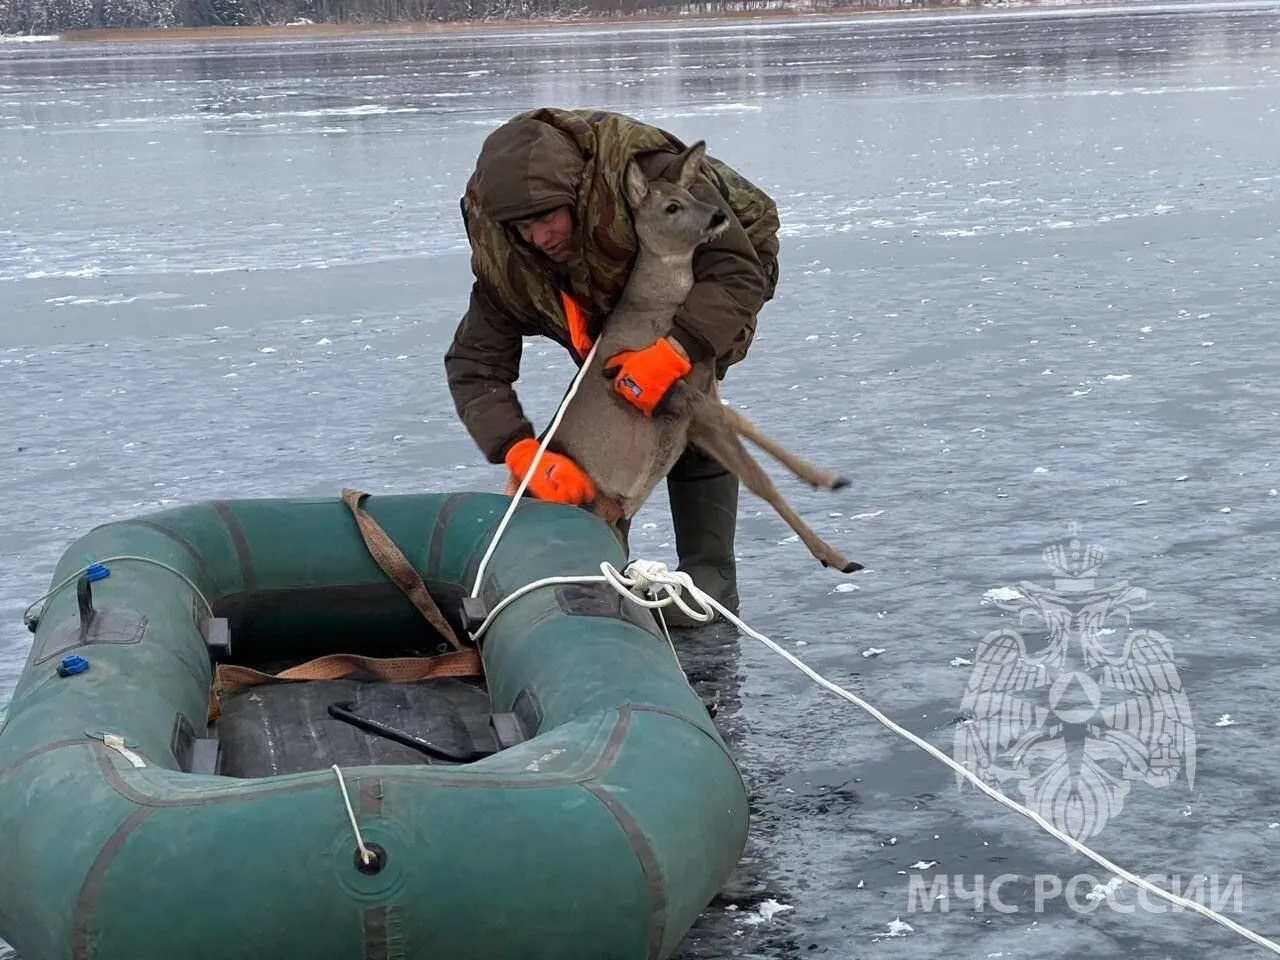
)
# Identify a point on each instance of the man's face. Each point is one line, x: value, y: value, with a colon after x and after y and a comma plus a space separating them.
x: 552, y: 233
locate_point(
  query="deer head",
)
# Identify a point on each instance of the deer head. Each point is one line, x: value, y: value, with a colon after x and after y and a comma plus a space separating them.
x: 669, y: 220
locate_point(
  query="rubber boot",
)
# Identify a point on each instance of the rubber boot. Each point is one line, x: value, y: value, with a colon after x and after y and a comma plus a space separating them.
x: 705, y: 515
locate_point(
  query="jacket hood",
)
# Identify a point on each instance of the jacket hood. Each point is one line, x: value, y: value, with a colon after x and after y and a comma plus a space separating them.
x: 525, y: 168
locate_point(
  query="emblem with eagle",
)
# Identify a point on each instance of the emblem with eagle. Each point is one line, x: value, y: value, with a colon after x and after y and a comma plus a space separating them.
x: 1081, y: 719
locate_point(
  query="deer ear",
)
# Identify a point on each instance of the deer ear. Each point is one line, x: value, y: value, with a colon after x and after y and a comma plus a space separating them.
x: 690, y: 162
x: 635, y: 183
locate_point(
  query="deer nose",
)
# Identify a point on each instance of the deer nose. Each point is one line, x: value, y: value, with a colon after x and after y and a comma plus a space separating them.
x: 718, y: 218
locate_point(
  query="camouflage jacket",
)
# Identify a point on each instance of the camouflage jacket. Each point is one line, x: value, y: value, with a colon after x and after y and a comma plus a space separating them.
x: 549, y: 157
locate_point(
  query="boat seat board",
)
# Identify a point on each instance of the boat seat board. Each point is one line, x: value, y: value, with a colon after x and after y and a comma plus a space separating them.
x: 282, y: 728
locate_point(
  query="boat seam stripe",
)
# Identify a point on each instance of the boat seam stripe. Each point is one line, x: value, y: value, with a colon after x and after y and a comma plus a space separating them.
x: 240, y: 542
x: 203, y: 564
x: 377, y: 942
x: 41, y: 751
x: 435, y: 549
x: 91, y: 889
x: 648, y: 865
x: 720, y: 744
x: 371, y: 796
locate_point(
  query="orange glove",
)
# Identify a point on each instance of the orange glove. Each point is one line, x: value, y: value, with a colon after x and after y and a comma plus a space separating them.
x: 643, y: 377
x: 558, y: 479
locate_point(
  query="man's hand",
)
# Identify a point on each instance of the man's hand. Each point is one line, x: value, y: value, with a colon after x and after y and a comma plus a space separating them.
x: 558, y: 479
x: 643, y: 377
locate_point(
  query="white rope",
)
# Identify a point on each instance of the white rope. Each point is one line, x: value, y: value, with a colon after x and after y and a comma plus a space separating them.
x: 524, y: 482
x: 648, y: 576
x: 708, y: 603
x: 652, y: 577
x: 366, y: 855
x: 26, y: 615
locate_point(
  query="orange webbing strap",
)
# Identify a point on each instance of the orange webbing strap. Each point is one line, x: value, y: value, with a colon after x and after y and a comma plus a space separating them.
x: 459, y: 662
x: 456, y: 663
x: 396, y: 567
x: 577, y: 320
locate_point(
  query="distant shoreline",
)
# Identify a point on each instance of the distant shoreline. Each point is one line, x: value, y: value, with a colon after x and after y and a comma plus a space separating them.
x: 311, y: 30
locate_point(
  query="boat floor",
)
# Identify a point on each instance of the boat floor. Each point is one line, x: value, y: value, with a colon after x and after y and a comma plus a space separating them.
x: 283, y: 728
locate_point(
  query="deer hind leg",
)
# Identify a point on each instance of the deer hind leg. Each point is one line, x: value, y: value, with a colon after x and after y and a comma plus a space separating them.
x: 714, y: 431
x: 691, y: 401
x: 814, y: 476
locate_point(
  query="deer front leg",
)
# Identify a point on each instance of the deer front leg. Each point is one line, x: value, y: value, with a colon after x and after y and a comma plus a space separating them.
x: 713, y: 430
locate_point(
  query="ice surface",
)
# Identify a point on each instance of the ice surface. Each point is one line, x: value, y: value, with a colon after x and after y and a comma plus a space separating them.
x: 995, y: 322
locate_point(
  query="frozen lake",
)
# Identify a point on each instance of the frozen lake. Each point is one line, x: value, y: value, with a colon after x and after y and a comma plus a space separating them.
x: 1030, y: 272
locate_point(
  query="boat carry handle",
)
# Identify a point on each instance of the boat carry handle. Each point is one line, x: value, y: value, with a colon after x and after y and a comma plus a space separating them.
x: 84, y: 600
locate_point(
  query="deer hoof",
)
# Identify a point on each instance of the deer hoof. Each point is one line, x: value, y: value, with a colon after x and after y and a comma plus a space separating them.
x: 851, y: 567
x: 839, y: 483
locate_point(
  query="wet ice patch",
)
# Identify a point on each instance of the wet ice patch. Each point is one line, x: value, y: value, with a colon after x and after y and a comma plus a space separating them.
x: 1002, y: 594
x: 729, y: 108
x: 1103, y: 891
x: 1224, y: 721
x: 80, y: 273
x: 766, y: 911
x: 85, y: 301
x: 872, y: 652
x: 897, y: 927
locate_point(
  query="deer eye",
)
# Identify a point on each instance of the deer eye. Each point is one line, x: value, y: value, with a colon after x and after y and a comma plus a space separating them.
x: 673, y: 207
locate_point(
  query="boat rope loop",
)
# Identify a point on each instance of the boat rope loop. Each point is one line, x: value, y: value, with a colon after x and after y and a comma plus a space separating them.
x: 650, y: 584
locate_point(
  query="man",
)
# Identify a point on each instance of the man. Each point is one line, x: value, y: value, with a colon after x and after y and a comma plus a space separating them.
x: 552, y: 244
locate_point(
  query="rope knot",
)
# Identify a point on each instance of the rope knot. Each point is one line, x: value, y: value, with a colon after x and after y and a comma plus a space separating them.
x: 665, y: 586
x: 645, y: 575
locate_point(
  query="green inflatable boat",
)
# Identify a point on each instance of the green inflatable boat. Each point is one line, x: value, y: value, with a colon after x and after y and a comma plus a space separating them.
x: 245, y: 729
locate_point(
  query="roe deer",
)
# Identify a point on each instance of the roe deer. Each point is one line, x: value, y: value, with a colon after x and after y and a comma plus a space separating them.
x: 624, y: 452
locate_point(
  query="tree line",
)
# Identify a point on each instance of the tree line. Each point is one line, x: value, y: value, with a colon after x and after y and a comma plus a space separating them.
x: 57, y: 16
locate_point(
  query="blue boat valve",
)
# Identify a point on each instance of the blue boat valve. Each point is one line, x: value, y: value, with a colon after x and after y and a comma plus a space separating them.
x: 72, y: 665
